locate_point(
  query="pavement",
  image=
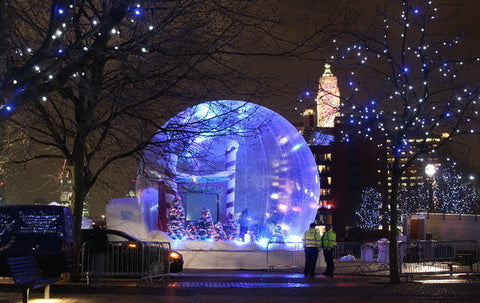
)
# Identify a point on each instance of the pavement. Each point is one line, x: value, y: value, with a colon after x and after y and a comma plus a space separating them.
x: 255, y: 286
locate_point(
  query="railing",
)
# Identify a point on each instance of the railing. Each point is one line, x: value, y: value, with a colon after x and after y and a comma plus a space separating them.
x: 347, y: 248
x: 146, y: 260
x: 415, y: 257
x: 438, y: 257
x: 285, y: 255
x: 291, y: 255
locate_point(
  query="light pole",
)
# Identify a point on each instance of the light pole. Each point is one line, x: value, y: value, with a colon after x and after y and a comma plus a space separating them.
x: 430, y: 171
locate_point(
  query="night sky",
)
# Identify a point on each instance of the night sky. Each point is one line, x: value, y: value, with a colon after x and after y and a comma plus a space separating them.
x: 35, y: 182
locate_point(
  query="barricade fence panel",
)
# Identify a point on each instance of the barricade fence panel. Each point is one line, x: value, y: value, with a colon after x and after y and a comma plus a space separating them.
x: 439, y: 257
x: 145, y: 260
x: 285, y: 255
x: 291, y: 254
x: 347, y: 248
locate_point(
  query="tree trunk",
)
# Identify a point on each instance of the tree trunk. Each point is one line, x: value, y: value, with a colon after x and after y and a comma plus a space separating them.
x: 80, y: 190
x: 393, y: 249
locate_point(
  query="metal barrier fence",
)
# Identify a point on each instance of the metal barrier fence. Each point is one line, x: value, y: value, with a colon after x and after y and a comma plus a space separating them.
x: 291, y: 255
x: 146, y: 260
x: 347, y: 248
x: 439, y: 257
x: 285, y: 255
x: 415, y: 257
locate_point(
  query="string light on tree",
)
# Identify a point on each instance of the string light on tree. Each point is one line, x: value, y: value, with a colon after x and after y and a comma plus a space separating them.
x: 369, y: 211
x: 424, y: 82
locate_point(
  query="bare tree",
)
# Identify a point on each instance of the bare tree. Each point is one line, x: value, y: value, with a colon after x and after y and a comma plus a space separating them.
x: 409, y: 78
x: 92, y: 81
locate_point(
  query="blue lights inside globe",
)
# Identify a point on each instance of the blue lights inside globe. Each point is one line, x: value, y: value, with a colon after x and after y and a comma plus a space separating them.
x: 237, y: 158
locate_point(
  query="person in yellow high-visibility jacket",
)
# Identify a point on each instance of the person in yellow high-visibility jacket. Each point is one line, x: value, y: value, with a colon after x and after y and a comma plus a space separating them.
x: 311, y: 242
x: 328, y: 243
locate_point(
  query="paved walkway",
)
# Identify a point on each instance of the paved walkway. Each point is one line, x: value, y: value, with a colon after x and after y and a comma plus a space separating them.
x: 256, y: 286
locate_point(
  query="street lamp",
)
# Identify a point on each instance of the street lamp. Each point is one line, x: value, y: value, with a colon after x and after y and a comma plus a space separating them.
x: 430, y: 171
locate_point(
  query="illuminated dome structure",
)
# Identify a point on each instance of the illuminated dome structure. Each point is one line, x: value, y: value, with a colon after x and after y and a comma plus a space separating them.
x: 232, y: 157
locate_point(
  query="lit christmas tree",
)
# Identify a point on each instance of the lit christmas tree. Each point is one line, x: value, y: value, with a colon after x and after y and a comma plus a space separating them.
x: 230, y: 227
x: 454, y: 193
x: 218, y: 232
x: 205, y: 225
x: 278, y: 234
x: 369, y: 211
x: 414, y: 199
x: 191, y: 232
x: 448, y: 192
x: 176, y: 220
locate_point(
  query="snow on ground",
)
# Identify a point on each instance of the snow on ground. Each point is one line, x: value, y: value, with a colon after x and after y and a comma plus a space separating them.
x: 218, y: 246
x: 240, y: 255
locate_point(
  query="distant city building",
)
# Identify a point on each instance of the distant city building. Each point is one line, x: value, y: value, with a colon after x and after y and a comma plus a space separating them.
x: 66, y: 191
x: 415, y: 175
x: 348, y: 168
x: 345, y: 168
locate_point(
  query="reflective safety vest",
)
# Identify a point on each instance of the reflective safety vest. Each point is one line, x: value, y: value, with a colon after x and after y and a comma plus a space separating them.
x: 329, y: 239
x: 311, y: 238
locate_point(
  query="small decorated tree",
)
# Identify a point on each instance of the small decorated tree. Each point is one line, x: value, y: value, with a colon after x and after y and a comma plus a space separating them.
x: 278, y: 234
x: 176, y: 220
x: 230, y: 227
x: 191, y: 232
x: 218, y: 232
x: 205, y: 225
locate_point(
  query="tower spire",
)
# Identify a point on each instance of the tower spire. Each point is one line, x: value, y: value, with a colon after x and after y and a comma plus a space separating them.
x: 328, y: 99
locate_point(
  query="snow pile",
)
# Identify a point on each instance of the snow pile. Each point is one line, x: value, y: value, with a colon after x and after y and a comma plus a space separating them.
x: 218, y: 246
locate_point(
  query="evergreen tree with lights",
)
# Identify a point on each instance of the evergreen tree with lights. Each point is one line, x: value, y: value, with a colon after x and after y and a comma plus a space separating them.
x: 414, y: 199
x: 230, y: 227
x: 176, y: 220
x: 407, y: 81
x: 369, y: 211
x: 449, y: 191
x: 218, y: 232
x: 278, y: 235
x: 191, y: 232
x: 454, y: 193
x: 204, y: 225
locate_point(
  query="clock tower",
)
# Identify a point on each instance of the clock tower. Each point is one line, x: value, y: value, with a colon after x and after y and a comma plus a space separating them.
x: 328, y: 99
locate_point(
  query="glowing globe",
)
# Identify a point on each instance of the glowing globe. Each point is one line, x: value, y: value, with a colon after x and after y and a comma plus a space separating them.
x: 238, y: 158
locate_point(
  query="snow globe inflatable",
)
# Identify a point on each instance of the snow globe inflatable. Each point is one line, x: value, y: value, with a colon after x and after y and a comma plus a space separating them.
x: 237, y: 159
